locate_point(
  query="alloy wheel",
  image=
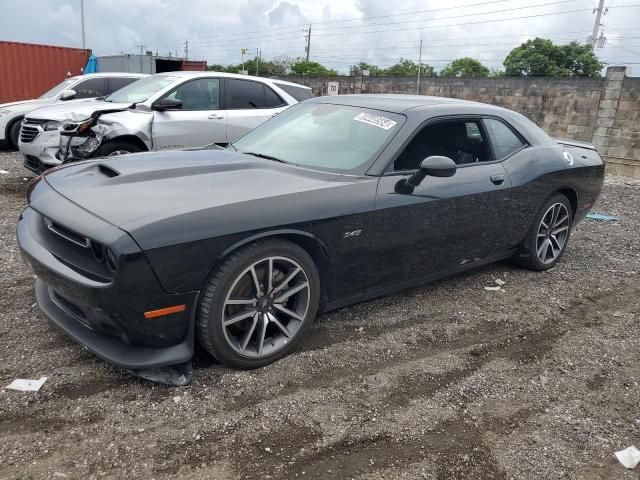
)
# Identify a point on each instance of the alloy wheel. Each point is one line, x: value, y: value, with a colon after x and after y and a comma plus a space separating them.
x: 266, y: 306
x: 553, y: 233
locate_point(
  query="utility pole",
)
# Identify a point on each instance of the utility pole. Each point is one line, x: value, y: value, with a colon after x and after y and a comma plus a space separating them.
x: 186, y: 49
x: 308, y: 37
x: 84, y: 45
x: 419, y: 67
x: 257, y: 62
x: 243, y: 51
x: 593, y: 39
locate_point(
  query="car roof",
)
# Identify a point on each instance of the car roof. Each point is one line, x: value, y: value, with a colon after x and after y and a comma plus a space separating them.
x: 108, y: 75
x: 209, y: 73
x: 395, y: 103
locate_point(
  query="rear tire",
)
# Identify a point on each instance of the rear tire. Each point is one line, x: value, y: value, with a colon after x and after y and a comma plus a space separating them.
x: 548, y: 236
x: 116, y: 147
x: 14, y: 133
x: 258, y: 304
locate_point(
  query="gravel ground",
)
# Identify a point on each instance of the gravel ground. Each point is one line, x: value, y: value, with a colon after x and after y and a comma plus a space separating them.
x: 445, y: 381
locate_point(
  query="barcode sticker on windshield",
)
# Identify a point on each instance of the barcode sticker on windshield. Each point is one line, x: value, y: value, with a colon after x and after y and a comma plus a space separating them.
x: 376, y: 120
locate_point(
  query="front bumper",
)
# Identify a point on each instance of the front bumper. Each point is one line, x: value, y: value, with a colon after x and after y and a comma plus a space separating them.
x: 44, y: 148
x: 108, y: 348
x: 105, y: 315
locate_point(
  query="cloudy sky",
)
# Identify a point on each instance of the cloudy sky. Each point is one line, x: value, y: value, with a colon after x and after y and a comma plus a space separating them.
x: 344, y: 32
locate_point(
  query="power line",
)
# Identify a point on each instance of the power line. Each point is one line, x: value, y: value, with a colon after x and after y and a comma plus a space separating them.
x: 557, y: 2
x: 267, y: 38
x: 279, y: 36
x: 416, y: 12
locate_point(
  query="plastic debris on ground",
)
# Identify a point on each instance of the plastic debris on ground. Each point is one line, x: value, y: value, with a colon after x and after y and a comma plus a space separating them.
x: 601, y: 217
x: 25, y: 385
x: 500, y: 282
x: 176, y: 375
x: 493, y: 289
x: 3, y: 172
x: 629, y: 457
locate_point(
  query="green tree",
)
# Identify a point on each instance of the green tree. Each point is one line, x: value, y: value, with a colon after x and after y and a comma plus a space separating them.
x: 408, y: 68
x: 542, y: 58
x: 374, y: 70
x: 304, y: 67
x: 465, y: 67
x: 216, y: 67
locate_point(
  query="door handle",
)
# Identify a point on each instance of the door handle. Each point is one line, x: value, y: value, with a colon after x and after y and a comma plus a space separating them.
x: 215, y: 116
x: 497, y: 179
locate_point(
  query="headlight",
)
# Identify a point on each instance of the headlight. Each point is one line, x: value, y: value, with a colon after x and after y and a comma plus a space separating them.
x: 78, y: 127
x: 51, y: 125
x: 4, y: 112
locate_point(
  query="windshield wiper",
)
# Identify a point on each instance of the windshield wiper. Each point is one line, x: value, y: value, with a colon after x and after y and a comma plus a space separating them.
x: 267, y: 157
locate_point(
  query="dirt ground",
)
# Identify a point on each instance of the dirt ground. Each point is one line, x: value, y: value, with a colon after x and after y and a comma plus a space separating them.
x: 445, y: 381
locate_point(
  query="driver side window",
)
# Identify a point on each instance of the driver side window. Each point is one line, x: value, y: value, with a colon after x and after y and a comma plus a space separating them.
x: 202, y: 94
x: 460, y: 140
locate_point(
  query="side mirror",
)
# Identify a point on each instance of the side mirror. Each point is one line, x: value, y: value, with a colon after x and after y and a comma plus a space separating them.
x: 434, y: 166
x: 68, y: 94
x: 167, y: 104
x: 438, y: 166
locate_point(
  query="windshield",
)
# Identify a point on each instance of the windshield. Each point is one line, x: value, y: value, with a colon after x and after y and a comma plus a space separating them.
x: 335, y: 137
x: 58, y: 88
x: 141, y: 90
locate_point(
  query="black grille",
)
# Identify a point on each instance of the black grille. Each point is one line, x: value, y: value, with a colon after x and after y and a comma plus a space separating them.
x: 67, y: 305
x: 34, y: 164
x: 28, y: 134
x: 30, y: 130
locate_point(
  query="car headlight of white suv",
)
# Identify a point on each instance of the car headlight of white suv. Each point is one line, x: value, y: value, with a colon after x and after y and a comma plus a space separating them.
x: 51, y: 125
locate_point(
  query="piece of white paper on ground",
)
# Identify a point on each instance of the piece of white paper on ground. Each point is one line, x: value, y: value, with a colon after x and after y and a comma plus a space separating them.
x: 4, y: 172
x: 629, y: 457
x: 25, y: 385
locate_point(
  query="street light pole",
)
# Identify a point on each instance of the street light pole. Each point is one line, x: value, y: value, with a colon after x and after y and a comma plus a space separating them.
x: 84, y: 45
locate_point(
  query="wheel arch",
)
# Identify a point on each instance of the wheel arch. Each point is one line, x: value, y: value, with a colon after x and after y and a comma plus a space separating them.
x: 9, y: 126
x: 305, y: 240
x: 571, y: 195
x: 137, y: 141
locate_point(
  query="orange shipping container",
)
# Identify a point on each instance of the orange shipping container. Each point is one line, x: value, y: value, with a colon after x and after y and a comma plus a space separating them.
x: 28, y: 70
x: 197, y: 65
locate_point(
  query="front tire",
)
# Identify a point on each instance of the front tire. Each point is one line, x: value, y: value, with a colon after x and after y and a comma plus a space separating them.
x: 548, y: 236
x: 116, y: 147
x: 258, y: 304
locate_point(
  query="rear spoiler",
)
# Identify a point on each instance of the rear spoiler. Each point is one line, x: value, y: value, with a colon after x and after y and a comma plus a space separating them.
x: 575, y: 143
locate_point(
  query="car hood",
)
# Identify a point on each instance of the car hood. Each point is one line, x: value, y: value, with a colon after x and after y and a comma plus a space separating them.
x: 137, y: 191
x: 74, y: 109
x: 26, y: 105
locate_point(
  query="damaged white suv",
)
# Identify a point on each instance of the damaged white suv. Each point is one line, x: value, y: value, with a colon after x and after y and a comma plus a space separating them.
x: 164, y: 111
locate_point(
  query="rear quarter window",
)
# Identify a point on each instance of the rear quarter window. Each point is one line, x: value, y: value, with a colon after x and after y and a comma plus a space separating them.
x: 299, y: 93
x: 504, y: 140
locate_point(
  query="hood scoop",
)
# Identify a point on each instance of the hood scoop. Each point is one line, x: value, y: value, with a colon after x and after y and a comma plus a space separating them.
x: 107, y: 170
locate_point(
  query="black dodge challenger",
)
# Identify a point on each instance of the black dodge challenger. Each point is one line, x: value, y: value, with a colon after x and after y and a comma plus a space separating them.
x: 334, y: 201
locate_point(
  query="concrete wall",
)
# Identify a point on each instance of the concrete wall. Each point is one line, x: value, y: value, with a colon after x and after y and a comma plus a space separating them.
x: 603, y: 111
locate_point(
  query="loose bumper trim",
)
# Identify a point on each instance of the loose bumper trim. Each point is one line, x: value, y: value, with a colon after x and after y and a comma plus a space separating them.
x: 111, y: 349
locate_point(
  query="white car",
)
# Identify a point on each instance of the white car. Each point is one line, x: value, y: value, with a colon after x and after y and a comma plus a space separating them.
x: 164, y: 111
x: 73, y: 88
